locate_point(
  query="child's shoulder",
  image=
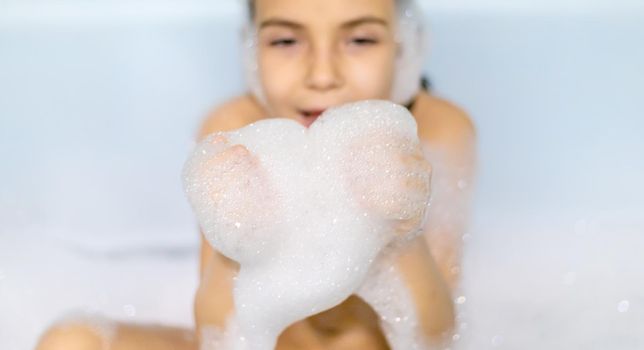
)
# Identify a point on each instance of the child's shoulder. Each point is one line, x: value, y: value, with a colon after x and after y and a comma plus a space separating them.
x: 442, y: 123
x: 232, y: 114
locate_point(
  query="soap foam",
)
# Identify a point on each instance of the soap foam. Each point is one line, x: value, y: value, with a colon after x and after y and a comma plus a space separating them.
x: 310, y: 215
x: 385, y: 291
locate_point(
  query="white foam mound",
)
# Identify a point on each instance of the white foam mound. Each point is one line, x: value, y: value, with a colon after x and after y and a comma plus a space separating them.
x: 312, y: 216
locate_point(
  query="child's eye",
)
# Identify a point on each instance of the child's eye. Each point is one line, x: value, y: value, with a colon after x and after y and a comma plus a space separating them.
x: 363, y: 41
x: 286, y: 42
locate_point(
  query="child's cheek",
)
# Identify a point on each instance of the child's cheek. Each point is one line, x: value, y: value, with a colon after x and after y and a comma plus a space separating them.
x: 279, y: 76
x: 370, y: 75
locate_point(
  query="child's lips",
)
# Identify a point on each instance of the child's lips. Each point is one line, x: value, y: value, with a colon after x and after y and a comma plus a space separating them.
x: 309, y: 116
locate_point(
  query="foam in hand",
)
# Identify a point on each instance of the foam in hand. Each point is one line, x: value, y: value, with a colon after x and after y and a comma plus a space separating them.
x: 313, y: 215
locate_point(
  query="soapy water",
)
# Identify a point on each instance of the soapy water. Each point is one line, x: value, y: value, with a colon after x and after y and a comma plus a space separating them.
x: 313, y: 216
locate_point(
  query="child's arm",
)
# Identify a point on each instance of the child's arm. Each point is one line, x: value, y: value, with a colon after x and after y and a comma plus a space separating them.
x: 214, y: 298
x: 429, y: 290
x: 232, y: 115
x: 417, y: 268
x: 450, y: 140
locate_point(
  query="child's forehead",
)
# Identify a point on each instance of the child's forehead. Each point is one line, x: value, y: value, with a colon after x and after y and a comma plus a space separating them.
x: 335, y: 11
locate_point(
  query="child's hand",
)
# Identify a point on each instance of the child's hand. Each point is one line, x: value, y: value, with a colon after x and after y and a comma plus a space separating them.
x: 390, y: 178
x: 230, y: 191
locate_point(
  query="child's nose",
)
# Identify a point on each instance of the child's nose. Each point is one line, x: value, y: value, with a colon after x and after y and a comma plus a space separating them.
x: 323, y: 73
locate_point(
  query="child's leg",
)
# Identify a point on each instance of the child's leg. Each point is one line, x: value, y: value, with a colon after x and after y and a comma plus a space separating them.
x: 86, y: 336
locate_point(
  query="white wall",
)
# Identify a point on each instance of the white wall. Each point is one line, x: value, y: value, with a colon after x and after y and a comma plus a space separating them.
x: 33, y: 10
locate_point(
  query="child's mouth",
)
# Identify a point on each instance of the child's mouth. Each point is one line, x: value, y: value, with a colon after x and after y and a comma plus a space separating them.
x: 309, y: 116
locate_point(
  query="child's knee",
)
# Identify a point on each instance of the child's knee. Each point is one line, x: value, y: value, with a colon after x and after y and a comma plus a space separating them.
x: 71, y: 337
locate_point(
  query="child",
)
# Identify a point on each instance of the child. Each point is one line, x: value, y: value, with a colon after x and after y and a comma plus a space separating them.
x: 304, y: 57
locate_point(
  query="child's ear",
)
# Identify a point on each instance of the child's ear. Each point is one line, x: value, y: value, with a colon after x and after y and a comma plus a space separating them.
x: 399, y: 49
x: 249, y: 54
x: 410, y: 36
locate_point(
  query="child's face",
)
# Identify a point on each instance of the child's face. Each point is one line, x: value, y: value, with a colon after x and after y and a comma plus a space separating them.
x: 316, y: 54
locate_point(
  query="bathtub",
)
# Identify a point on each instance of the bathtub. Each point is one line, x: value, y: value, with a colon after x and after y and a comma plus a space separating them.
x: 99, y: 105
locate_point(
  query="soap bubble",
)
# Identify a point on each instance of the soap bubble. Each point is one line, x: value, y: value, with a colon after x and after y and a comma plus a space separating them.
x: 623, y: 306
